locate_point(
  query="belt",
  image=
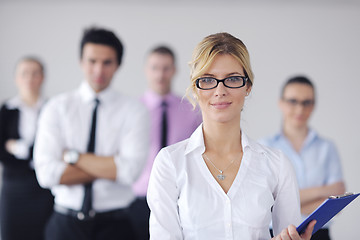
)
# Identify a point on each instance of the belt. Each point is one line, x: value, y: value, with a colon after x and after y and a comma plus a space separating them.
x: 73, y: 213
x: 118, y: 213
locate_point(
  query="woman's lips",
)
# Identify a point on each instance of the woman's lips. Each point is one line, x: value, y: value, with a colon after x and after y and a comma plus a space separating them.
x: 221, y: 105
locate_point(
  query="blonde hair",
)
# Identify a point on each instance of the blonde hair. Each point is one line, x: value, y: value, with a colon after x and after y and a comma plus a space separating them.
x: 205, y: 52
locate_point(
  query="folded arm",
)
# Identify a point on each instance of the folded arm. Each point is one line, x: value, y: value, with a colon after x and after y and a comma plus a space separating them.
x: 88, y: 168
x: 311, y: 198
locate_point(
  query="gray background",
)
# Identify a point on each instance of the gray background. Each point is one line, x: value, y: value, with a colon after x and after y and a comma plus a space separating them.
x: 317, y: 38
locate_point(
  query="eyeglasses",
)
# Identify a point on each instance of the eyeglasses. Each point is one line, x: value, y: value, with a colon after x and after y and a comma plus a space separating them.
x: 207, y: 83
x: 294, y: 102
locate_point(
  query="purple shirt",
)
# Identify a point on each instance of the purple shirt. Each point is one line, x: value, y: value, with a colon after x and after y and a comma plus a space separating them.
x: 182, y: 121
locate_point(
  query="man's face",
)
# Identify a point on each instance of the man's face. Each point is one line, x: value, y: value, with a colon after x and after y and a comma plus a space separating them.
x: 159, y: 71
x: 99, y: 64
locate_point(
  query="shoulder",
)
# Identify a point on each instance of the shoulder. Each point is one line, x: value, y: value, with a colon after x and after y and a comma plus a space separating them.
x: 63, y: 99
x: 9, y: 107
x: 61, y: 103
x: 4, y: 108
x: 128, y: 104
x: 269, y: 141
x: 273, y: 157
x: 173, y: 155
x: 265, y: 149
x: 320, y: 141
x: 177, y: 148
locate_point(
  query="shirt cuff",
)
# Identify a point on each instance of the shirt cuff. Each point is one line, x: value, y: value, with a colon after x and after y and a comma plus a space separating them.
x: 21, y: 150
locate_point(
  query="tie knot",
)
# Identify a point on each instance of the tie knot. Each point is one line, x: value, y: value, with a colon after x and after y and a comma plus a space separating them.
x: 97, y: 101
x: 163, y: 104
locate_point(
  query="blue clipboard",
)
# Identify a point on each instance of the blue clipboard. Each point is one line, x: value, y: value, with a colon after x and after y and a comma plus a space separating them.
x: 326, y: 211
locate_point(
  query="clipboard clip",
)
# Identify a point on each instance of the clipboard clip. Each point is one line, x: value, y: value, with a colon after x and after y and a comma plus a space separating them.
x: 341, y: 196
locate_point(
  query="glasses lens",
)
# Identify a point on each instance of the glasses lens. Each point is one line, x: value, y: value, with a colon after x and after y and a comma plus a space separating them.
x: 308, y: 103
x: 234, y: 82
x: 295, y: 102
x: 206, y: 83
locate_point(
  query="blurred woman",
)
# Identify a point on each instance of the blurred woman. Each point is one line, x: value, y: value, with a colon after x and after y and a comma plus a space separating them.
x: 315, y: 159
x: 24, y: 205
x: 220, y: 184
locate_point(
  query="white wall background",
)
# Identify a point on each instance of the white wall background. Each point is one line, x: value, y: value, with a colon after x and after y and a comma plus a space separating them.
x: 284, y: 38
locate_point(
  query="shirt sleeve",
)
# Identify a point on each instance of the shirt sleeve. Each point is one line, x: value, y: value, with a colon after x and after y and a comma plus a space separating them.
x: 286, y: 209
x: 162, y: 198
x: 333, y: 165
x: 49, y: 146
x: 134, y: 146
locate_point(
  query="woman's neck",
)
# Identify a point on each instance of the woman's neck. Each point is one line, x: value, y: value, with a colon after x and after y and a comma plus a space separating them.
x: 222, y: 137
x: 30, y: 99
x: 296, y: 135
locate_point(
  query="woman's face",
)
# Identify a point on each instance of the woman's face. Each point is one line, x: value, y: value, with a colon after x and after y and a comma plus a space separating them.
x: 297, y: 104
x: 223, y: 104
x: 29, y: 77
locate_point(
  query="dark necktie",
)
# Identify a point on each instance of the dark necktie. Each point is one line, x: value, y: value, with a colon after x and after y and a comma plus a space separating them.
x: 87, y: 203
x: 164, y: 125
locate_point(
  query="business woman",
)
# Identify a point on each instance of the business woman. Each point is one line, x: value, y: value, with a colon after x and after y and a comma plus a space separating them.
x: 220, y: 184
x: 315, y: 159
x: 24, y: 205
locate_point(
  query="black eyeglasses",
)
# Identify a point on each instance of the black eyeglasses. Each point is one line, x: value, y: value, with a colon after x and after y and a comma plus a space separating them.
x: 207, y: 83
x: 294, y: 102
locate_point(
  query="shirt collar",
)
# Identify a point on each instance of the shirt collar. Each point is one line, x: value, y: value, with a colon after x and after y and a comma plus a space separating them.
x: 88, y: 94
x: 17, y: 103
x: 311, y: 136
x: 154, y: 100
x: 196, y: 141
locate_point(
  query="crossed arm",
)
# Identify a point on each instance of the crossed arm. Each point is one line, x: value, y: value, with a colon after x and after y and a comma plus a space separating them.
x: 311, y: 198
x: 88, y: 168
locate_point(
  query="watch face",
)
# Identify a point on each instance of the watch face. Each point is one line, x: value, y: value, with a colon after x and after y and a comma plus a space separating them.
x: 72, y: 157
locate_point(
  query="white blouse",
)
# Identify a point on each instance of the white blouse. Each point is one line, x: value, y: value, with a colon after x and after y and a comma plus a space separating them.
x: 28, y: 116
x: 186, y: 202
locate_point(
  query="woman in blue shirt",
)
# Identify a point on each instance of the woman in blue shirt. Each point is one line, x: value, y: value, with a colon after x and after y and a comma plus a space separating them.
x: 315, y: 159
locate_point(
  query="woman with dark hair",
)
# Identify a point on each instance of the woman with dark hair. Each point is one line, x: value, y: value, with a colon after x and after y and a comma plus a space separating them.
x: 24, y: 205
x: 315, y: 159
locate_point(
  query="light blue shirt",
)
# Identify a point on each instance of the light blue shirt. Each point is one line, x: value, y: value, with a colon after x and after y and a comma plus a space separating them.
x: 316, y: 164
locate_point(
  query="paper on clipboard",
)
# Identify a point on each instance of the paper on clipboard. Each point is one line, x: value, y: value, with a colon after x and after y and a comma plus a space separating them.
x: 326, y: 211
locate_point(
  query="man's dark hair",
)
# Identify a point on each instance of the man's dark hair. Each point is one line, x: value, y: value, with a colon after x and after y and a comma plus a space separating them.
x: 104, y: 37
x: 297, y: 79
x: 163, y: 50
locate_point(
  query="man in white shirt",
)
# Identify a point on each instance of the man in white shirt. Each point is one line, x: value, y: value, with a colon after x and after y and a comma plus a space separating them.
x: 90, y: 147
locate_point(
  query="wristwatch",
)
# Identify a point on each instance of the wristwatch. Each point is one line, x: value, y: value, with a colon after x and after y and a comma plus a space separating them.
x: 71, y: 157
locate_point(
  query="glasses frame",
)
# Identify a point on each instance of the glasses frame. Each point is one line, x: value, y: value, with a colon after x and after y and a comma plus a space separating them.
x: 244, y: 78
x: 294, y: 102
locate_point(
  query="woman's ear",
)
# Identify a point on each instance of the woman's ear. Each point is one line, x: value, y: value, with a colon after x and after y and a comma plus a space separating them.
x: 248, y: 90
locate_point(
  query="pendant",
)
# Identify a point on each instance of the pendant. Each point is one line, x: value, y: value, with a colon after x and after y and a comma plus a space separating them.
x: 221, y: 176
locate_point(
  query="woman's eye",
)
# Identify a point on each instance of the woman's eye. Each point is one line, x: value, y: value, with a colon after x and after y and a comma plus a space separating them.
x: 234, y: 79
x: 207, y: 80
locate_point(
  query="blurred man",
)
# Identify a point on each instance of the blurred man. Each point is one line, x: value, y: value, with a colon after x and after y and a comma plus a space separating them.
x: 172, y: 120
x: 91, y: 146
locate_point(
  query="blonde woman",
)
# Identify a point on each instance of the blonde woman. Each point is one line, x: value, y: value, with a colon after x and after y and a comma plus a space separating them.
x: 220, y: 184
x: 24, y: 206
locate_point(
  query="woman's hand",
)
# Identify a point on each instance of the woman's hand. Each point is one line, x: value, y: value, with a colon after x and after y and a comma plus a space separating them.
x: 10, y: 146
x: 290, y: 233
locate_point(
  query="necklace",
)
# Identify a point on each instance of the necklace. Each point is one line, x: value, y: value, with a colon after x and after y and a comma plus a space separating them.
x: 221, y: 176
